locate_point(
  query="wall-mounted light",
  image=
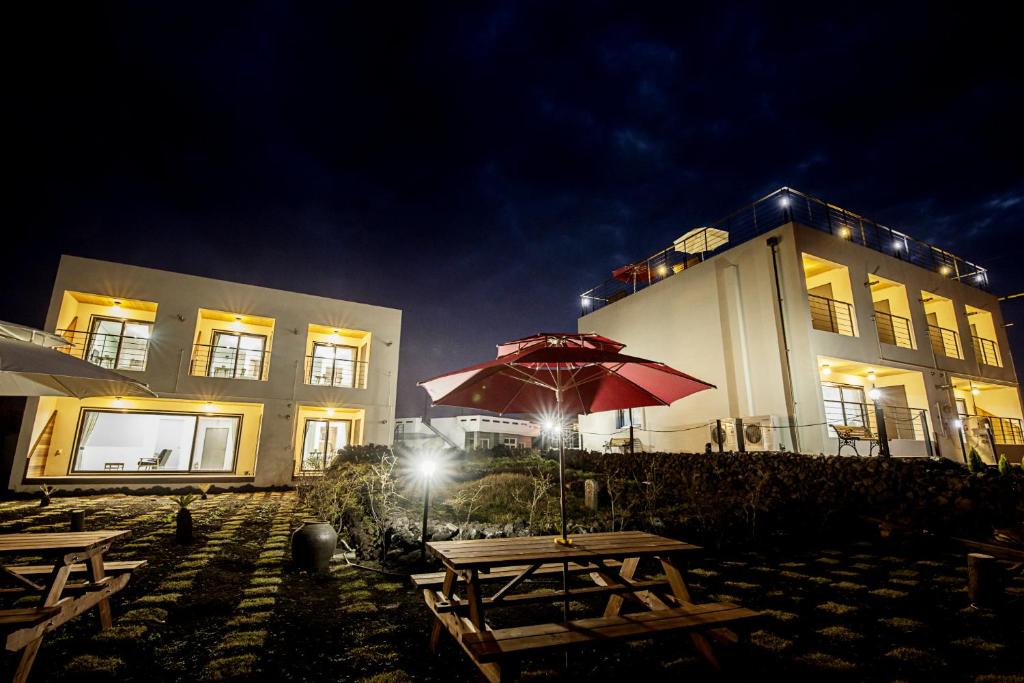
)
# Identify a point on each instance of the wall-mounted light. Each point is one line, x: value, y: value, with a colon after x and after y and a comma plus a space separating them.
x: 237, y: 323
x: 974, y: 390
x: 826, y: 369
x: 116, y: 308
x: 330, y: 412
x: 872, y: 376
x: 118, y: 402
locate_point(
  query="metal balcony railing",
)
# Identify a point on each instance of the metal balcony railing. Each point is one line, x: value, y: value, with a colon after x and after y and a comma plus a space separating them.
x: 893, y: 329
x: 830, y: 315
x: 900, y: 423
x: 945, y: 342
x: 986, y: 351
x: 229, y: 362
x: 111, y: 351
x: 1007, y: 431
x: 772, y: 211
x: 336, y: 372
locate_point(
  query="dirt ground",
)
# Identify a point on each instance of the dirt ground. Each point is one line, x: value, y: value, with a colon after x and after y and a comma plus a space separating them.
x: 229, y: 607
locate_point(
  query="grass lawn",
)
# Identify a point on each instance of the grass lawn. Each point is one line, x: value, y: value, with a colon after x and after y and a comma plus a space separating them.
x: 228, y: 607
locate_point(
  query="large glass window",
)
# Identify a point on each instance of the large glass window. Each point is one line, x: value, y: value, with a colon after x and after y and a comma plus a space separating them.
x: 844, y: 405
x: 118, y: 344
x: 333, y: 365
x: 321, y: 442
x: 235, y: 355
x: 114, y: 442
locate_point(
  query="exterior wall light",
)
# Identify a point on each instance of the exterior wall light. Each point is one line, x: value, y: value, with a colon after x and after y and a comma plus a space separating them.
x: 872, y: 376
x: 826, y: 369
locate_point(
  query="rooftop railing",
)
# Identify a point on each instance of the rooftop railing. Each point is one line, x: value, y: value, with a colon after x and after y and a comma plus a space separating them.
x: 772, y: 211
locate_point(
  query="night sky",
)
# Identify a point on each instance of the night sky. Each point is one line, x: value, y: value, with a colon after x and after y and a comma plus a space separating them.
x: 479, y: 165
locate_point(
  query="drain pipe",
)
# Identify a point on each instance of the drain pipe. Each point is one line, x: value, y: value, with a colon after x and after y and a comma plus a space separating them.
x: 787, y: 377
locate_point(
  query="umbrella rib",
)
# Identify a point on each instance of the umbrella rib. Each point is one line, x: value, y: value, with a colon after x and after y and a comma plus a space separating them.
x: 522, y: 385
x: 651, y: 393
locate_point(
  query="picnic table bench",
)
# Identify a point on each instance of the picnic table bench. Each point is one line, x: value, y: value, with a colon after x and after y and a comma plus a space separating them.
x: 610, y: 560
x: 849, y: 435
x: 66, y: 593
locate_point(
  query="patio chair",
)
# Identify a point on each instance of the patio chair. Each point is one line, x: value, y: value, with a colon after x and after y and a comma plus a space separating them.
x: 156, y: 462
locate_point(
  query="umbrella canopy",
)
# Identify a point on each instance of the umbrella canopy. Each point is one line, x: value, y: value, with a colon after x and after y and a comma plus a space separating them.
x: 30, y: 334
x: 32, y: 369
x: 573, y: 373
x: 631, y: 272
x: 562, y: 374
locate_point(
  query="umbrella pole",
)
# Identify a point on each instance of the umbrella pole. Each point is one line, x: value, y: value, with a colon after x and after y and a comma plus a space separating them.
x: 561, y: 506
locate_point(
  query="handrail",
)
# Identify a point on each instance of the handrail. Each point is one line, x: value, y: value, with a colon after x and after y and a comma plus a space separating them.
x: 335, y: 372
x: 771, y: 211
x: 945, y: 342
x: 229, y: 362
x: 831, y: 315
x: 900, y: 422
x: 893, y: 329
x: 111, y: 351
x: 986, y: 351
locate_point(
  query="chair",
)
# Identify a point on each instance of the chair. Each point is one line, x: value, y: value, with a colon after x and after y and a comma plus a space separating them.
x: 156, y: 462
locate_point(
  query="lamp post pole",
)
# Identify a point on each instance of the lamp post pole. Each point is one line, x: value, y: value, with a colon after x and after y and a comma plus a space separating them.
x: 426, y: 507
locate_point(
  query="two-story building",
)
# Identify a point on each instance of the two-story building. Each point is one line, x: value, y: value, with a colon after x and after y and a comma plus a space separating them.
x: 806, y: 315
x: 254, y: 385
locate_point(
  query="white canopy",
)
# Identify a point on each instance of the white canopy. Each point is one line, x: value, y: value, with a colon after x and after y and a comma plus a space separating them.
x: 33, y: 369
x: 700, y: 240
x: 30, y: 334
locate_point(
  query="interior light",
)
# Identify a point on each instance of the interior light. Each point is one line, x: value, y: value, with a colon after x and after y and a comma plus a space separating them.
x: 975, y: 391
x: 872, y: 376
x: 826, y: 369
x: 118, y: 402
x: 116, y: 309
x: 330, y: 412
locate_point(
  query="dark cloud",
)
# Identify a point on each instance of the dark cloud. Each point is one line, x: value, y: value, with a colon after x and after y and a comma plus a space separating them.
x: 480, y: 164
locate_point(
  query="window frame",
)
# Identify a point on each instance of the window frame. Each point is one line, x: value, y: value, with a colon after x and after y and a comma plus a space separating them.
x: 92, y: 333
x: 862, y: 405
x: 238, y: 348
x: 305, y: 431
x: 334, y: 364
x: 72, y: 471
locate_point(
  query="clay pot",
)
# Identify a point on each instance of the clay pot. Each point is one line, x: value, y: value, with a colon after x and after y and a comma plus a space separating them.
x: 313, y: 545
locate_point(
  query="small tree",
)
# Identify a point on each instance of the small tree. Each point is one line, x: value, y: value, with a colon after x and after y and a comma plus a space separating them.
x: 183, y: 520
x: 974, y: 463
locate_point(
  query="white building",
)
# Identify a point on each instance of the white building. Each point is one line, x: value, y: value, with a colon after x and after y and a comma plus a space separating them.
x: 805, y: 315
x: 467, y: 431
x: 255, y: 385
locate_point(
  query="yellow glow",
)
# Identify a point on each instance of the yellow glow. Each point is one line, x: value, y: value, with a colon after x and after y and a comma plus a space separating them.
x: 116, y: 308
x: 826, y: 369
x: 975, y: 391
x: 118, y: 402
x: 330, y: 412
x: 944, y: 270
x: 662, y: 271
x: 844, y: 232
x: 871, y: 376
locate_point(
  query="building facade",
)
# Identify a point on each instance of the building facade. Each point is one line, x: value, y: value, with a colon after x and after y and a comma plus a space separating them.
x: 807, y: 316
x: 254, y: 385
x: 466, y: 431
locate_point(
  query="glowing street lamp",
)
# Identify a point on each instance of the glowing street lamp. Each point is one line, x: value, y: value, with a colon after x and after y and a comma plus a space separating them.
x: 425, y: 468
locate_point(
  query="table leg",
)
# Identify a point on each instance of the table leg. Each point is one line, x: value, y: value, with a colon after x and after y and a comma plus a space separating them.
x: 447, y: 588
x: 96, y: 574
x: 627, y: 571
x: 475, y: 599
x: 58, y: 579
x: 682, y: 596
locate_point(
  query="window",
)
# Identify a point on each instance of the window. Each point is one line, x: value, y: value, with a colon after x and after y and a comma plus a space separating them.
x: 118, y: 344
x: 321, y: 442
x: 483, y: 442
x: 333, y: 365
x: 510, y: 441
x: 961, y: 407
x: 844, y: 405
x: 148, y: 442
x: 237, y: 355
x: 628, y: 418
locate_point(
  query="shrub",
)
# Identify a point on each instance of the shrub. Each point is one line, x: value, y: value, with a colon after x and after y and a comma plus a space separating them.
x: 974, y: 463
x: 1004, y: 465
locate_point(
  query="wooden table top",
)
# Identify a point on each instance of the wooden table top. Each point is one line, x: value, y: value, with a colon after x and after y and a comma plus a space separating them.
x: 504, y: 552
x: 63, y: 541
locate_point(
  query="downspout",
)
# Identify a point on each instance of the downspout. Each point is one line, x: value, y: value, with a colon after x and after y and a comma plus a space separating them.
x: 787, y: 375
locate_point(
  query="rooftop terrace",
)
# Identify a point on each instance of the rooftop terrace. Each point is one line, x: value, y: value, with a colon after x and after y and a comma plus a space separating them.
x: 782, y: 206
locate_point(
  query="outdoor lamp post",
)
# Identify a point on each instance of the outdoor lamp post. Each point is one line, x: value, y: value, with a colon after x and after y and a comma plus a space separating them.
x: 426, y: 468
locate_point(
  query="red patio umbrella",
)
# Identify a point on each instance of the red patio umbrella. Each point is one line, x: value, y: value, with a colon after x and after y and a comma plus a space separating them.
x: 562, y: 373
x: 631, y: 271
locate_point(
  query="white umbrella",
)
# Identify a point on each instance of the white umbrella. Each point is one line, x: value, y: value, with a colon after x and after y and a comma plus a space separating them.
x: 31, y: 334
x: 35, y: 369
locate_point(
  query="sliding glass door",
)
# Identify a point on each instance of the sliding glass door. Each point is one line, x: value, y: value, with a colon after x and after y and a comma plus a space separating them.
x: 236, y: 355
x: 333, y: 365
x: 321, y: 442
x: 118, y: 344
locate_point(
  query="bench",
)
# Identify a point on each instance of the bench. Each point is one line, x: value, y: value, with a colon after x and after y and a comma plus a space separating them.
x: 435, y: 580
x: 849, y: 435
x: 497, y: 644
x: 620, y: 444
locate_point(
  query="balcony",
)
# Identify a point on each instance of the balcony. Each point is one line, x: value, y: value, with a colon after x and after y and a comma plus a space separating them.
x: 782, y: 206
x: 986, y: 351
x: 237, y: 358
x: 945, y: 342
x: 893, y: 330
x: 337, y: 372
x: 830, y: 315
x: 900, y: 422
x: 127, y: 351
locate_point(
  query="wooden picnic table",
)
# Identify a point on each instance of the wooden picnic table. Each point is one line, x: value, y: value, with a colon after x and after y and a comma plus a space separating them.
x: 610, y: 559
x: 64, y: 554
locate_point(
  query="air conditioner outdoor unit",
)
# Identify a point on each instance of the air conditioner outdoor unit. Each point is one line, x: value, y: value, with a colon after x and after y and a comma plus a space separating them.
x: 723, y: 438
x: 763, y: 433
